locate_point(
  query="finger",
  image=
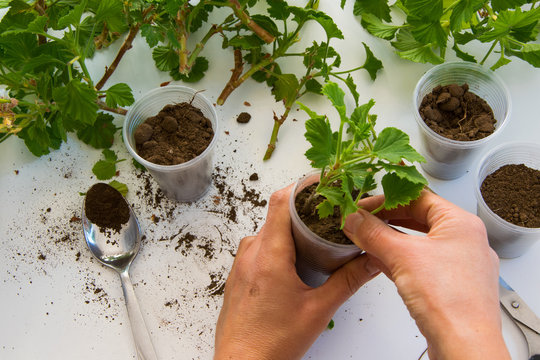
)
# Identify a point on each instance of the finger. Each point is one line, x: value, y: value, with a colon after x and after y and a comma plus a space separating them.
x: 374, y: 236
x: 345, y: 281
x: 400, y: 216
x: 276, y: 232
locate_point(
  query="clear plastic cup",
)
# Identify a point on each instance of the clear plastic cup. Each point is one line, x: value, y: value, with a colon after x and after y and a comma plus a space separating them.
x: 316, y: 258
x: 449, y: 159
x: 184, y: 182
x: 507, y: 239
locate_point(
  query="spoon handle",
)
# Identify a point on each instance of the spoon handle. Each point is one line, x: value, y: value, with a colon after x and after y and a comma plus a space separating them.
x: 143, y: 343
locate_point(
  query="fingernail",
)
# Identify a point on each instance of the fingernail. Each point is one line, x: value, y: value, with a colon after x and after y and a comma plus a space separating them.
x: 371, y: 268
x: 353, y: 221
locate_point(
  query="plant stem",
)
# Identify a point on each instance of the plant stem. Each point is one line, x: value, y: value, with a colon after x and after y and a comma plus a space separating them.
x: 246, y: 20
x: 126, y: 45
x: 489, y: 52
x: 182, y: 39
x: 104, y: 106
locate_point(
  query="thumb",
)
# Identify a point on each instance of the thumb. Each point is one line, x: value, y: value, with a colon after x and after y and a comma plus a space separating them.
x: 346, y: 280
x: 373, y: 235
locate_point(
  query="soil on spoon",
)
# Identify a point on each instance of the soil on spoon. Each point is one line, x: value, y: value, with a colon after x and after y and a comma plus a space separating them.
x: 513, y: 193
x: 327, y: 228
x: 177, y: 134
x: 456, y: 113
x: 105, y: 207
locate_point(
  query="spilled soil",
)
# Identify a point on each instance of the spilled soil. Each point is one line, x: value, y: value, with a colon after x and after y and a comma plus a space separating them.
x: 513, y: 193
x: 177, y: 134
x: 456, y: 113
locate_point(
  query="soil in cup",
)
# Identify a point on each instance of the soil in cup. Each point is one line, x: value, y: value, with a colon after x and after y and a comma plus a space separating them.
x: 513, y: 193
x: 105, y: 207
x: 177, y: 134
x: 327, y: 228
x: 456, y: 113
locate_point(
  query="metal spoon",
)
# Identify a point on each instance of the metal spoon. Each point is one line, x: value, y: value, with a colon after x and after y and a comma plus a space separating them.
x: 117, y: 250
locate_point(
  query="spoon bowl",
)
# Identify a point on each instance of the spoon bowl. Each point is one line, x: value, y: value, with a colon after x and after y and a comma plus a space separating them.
x: 117, y: 248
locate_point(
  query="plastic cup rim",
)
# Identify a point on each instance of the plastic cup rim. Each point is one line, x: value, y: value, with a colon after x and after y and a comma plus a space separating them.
x: 478, y: 184
x: 459, y: 143
x: 157, y: 167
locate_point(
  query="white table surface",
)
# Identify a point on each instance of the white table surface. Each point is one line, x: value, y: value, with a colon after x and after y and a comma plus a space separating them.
x: 57, y: 302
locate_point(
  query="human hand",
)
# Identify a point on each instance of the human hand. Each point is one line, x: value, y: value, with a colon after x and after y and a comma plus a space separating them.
x: 448, y: 279
x: 268, y: 312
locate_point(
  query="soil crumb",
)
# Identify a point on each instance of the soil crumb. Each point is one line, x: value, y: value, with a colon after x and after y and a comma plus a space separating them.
x: 243, y: 118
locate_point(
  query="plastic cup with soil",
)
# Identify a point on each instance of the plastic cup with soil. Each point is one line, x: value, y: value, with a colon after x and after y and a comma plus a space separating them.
x: 459, y: 107
x: 508, y: 197
x: 317, y: 257
x: 172, y: 132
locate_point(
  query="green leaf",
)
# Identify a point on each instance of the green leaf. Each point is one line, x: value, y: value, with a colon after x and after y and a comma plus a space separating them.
x: 314, y: 86
x: 119, y: 95
x: 73, y: 17
x: 325, y: 209
x: 508, y: 21
x: 165, y: 58
x: 319, y: 134
x: 38, y: 25
x: 246, y: 42
x: 196, y: 72
x: 428, y: 32
x: 334, y: 93
x: 499, y: 5
x: 352, y: 88
x: 410, y: 49
x: 463, y: 55
x: 431, y: 10
x: 101, y: 134
x: 463, y: 12
x: 399, y: 191
x: 152, y: 34
x: 278, y: 9
x: 104, y: 170
x: 360, y: 126
x: 372, y: 64
x: 121, y: 187
x: 531, y: 54
x: 409, y: 173
x: 266, y: 23
x: 77, y: 100
x: 393, y: 145
x: 36, y: 138
x: 111, y: 12
x: 377, y: 28
x: 378, y: 8
x: 328, y: 24
x: 500, y: 62
x: 286, y: 88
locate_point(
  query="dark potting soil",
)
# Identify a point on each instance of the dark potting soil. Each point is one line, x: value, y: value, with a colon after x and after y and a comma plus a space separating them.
x: 177, y: 134
x: 106, y: 207
x: 456, y: 113
x: 243, y: 118
x: 327, y: 228
x: 513, y: 193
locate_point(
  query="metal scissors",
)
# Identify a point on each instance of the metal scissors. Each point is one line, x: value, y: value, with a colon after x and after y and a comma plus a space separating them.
x: 523, y: 317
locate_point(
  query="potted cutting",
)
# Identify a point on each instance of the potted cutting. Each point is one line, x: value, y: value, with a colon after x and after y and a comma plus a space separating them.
x: 354, y: 161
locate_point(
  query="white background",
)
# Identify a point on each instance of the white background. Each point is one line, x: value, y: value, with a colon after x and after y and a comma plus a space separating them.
x: 57, y: 302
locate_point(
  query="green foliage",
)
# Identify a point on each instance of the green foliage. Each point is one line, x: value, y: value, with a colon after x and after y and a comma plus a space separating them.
x: 349, y: 165
x: 106, y: 168
x: 510, y: 25
x: 122, y: 188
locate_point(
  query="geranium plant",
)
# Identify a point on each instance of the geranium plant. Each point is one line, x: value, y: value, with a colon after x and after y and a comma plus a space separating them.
x: 350, y: 158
